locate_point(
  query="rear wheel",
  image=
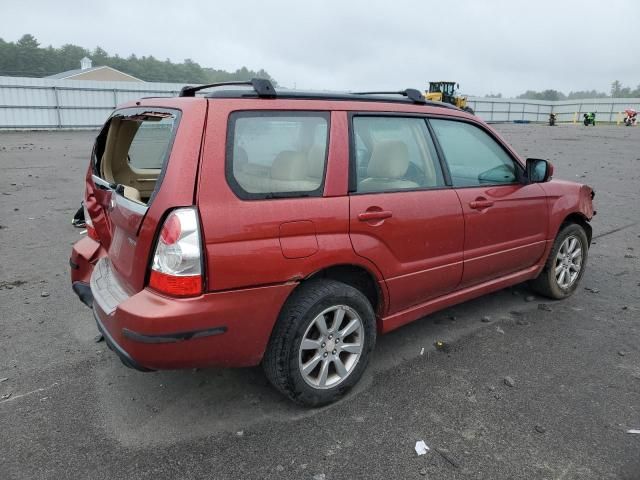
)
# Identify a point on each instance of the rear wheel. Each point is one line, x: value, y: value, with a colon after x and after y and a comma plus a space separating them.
x: 322, y: 342
x: 565, y: 265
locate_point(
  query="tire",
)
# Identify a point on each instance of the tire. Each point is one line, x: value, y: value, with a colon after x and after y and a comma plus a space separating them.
x: 299, y: 320
x: 469, y: 110
x: 548, y: 283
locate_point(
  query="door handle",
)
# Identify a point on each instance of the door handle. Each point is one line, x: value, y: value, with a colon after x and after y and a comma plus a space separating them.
x: 374, y: 215
x: 480, y: 204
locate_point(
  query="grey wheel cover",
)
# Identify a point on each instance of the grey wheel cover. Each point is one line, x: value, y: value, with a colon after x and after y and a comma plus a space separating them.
x: 331, y: 347
x: 568, y: 262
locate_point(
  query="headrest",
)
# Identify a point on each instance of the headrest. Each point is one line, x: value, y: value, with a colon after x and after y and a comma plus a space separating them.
x: 289, y: 165
x: 315, y: 161
x: 389, y: 159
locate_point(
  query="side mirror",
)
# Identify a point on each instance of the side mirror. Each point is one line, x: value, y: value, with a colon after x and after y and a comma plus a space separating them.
x: 538, y: 170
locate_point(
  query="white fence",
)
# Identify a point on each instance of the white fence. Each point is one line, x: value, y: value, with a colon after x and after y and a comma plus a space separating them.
x: 521, y: 110
x: 39, y: 103
x: 30, y: 103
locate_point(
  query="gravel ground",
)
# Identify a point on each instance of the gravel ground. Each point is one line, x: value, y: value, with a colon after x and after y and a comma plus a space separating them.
x: 70, y: 409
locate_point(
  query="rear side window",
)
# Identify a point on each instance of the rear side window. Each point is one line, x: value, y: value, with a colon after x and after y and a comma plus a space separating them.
x: 277, y: 154
x: 394, y: 153
x: 473, y: 156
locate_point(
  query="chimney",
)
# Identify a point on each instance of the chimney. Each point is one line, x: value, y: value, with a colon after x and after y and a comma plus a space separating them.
x: 85, y: 63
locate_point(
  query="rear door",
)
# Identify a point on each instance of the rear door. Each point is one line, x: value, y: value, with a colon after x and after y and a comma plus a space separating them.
x: 505, y: 219
x: 403, y: 216
x: 129, y: 161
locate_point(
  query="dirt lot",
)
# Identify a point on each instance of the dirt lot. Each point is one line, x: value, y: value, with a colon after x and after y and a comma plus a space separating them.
x: 70, y: 409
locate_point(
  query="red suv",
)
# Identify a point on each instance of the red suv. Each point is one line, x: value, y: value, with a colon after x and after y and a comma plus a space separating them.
x: 290, y: 228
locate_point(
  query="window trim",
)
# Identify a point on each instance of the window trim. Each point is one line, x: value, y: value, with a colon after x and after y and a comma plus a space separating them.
x: 519, y: 168
x: 353, y: 172
x: 235, y: 186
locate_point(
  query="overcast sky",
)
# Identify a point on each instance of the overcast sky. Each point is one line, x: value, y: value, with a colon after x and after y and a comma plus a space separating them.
x: 486, y: 46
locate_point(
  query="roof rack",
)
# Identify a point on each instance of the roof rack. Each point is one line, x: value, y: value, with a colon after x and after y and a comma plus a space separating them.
x: 262, y: 86
x: 411, y: 93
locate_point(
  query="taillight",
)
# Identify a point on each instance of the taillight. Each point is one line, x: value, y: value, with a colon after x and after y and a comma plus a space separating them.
x: 91, y: 231
x: 176, y: 269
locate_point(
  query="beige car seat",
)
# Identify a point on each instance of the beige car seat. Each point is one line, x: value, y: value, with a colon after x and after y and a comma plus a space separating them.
x: 387, y: 167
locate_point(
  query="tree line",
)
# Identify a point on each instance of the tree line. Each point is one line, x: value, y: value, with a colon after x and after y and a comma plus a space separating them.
x: 618, y: 90
x: 26, y: 58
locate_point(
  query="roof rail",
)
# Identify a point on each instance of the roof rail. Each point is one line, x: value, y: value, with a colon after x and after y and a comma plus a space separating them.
x: 411, y: 93
x: 262, y: 86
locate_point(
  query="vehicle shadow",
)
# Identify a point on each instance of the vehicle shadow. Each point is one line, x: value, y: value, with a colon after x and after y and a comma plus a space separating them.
x: 197, y: 403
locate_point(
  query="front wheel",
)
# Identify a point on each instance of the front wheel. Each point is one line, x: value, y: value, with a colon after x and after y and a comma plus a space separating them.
x: 565, y: 265
x: 321, y: 343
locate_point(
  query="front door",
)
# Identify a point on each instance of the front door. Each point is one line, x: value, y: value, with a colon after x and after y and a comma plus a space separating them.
x: 402, y: 215
x: 506, y: 220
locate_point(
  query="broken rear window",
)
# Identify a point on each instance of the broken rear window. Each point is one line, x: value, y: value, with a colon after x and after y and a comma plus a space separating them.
x: 132, y: 150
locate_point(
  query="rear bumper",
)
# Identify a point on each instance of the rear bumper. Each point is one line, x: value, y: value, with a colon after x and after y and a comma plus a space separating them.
x: 124, y: 356
x: 86, y: 252
x: 226, y: 329
x: 150, y: 331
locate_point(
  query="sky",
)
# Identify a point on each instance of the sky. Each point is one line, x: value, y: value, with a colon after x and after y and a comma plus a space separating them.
x: 487, y: 46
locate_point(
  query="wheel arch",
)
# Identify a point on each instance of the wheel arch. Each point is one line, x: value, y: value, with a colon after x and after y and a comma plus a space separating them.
x: 358, y: 277
x: 579, y: 219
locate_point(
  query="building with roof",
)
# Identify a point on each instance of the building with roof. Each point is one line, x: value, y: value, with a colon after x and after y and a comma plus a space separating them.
x: 88, y: 72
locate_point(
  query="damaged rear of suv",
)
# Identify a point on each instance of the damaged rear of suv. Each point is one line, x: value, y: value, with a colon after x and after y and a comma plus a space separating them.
x: 143, y: 167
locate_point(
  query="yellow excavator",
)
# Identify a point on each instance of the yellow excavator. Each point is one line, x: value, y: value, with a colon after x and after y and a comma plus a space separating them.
x: 446, y: 92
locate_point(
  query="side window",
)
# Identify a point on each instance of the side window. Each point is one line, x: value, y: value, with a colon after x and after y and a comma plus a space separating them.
x: 277, y: 154
x: 394, y: 153
x: 474, y: 157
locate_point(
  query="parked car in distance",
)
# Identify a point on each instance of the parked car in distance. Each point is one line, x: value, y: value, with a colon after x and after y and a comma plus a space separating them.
x: 289, y: 229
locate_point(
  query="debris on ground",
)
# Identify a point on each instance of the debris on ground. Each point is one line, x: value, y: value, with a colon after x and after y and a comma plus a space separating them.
x: 422, y: 351
x: 421, y: 447
x: 447, y: 456
x: 509, y: 382
x: 529, y: 298
x: 544, y: 307
x: 540, y: 429
x: 592, y: 290
x: 240, y: 433
x: 44, y: 294
x: 10, y: 285
x: 634, y: 431
x: 442, y: 346
x: 319, y: 476
x: 6, y: 396
x: 622, y: 353
x: 486, y: 319
x: 522, y: 322
x: 98, y: 338
x: 500, y: 331
x: 3, y: 379
x: 423, y: 471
